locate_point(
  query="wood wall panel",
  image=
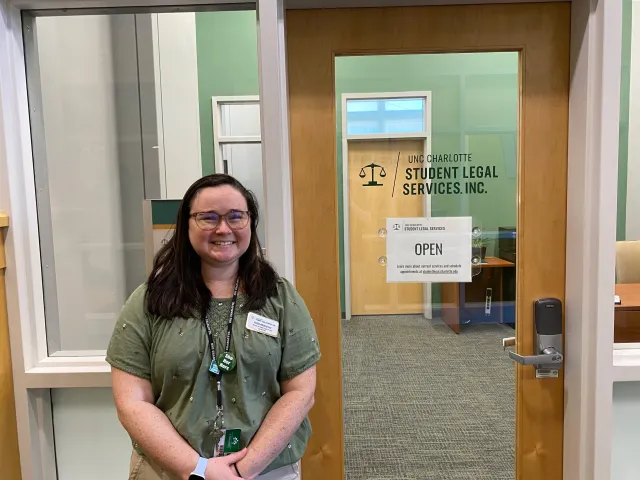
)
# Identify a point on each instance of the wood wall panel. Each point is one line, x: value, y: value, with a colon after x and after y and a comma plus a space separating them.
x: 9, y: 455
x: 540, y: 32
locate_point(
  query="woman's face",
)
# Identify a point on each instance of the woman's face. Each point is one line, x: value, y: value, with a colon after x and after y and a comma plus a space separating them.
x: 221, y: 245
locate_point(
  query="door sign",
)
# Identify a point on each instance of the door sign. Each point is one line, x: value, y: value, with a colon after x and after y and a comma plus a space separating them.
x: 429, y: 249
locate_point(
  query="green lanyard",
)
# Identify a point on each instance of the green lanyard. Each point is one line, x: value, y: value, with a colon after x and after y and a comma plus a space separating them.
x: 226, y: 362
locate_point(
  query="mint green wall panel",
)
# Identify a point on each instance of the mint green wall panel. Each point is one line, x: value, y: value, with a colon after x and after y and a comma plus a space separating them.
x: 623, y: 145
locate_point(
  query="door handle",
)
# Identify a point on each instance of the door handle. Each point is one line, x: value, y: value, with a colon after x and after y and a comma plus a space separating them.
x: 545, y: 360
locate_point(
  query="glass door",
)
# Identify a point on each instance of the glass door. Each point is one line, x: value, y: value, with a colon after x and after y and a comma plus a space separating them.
x: 429, y: 209
x: 446, y: 146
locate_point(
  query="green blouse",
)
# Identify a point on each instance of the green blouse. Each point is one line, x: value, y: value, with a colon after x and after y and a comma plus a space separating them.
x: 174, y: 355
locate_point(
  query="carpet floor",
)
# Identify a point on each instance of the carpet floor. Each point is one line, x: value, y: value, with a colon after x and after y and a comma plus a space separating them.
x: 422, y: 403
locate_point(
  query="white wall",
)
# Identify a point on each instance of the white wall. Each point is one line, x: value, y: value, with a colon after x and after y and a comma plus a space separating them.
x: 176, y: 69
x: 633, y: 168
x: 625, y: 459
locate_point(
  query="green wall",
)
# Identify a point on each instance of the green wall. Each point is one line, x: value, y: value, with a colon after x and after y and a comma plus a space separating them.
x: 227, y: 48
x: 474, y: 109
x: 623, y: 145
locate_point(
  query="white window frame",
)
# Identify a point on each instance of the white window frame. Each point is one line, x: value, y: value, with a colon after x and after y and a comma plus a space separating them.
x: 219, y: 139
x: 425, y: 136
x: 591, y: 365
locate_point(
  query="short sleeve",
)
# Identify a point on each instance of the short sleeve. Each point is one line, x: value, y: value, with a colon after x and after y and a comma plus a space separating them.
x: 130, y: 345
x: 300, y: 347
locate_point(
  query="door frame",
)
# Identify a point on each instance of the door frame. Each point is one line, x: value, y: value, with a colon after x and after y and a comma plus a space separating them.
x: 591, y: 363
x: 346, y: 137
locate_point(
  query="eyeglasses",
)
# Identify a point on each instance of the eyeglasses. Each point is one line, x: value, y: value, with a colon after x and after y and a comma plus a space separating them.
x: 235, y: 219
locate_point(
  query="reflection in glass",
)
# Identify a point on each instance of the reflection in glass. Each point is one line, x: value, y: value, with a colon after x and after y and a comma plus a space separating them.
x: 113, y: 126
x: 627, y: 288
x: 437, y: 401
x: 91, y: 180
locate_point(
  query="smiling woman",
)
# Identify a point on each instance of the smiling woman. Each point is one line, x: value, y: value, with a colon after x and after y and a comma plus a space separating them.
x: 219, y: 238
x: 198, y: 396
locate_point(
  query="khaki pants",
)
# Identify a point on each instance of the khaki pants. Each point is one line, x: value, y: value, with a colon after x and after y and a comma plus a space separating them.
x: 142, y: 468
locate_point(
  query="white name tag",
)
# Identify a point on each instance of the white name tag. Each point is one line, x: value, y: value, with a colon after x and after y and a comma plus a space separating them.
x: 261, y: 324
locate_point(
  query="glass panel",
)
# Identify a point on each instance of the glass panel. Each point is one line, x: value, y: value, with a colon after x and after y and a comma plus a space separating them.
x: 627, y: 289
x: 244, y: 161
x: 240, y: 119
x: 428, y: 264
x: 113, y: 126
x: 395, y: 115
x: 625, y: 426
x: 90, y: 178
x: 78, y: 414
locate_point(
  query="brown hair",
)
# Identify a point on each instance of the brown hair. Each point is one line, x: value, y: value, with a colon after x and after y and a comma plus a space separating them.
x: 175, y: 287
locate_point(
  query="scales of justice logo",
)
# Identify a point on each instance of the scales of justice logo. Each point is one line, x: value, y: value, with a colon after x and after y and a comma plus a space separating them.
x: 373, y: 182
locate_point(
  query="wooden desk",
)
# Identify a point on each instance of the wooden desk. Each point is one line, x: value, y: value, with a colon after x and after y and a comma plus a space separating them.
x: 626, y: 320
x: 453, y: 294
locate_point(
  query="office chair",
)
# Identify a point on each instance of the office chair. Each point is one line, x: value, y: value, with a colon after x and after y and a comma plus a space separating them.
x: 628, y: 262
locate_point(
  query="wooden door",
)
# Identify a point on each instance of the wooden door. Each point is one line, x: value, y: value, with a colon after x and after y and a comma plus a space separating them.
x: 540, y: 33
x: 369, y: 207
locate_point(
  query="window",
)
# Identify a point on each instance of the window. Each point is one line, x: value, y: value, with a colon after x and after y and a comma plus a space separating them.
x: 121, y: 117
x: 238, y: 148
x: 389, y: 115
x: 627, y: 312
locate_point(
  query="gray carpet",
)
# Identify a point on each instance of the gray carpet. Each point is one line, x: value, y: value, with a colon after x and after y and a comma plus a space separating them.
x: 421, y: 402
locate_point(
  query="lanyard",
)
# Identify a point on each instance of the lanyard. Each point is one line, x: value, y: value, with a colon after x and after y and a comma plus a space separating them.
x: 212, y: 346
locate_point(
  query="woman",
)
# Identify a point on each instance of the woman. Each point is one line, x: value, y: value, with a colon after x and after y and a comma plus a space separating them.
x: 212, y: 290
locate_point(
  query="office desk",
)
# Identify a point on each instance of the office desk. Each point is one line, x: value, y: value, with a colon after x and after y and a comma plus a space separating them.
x: 626, y: 320
x: 453, y: 294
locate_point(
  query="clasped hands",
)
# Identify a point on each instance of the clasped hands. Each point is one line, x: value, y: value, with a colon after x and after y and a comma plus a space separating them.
x: 222, y: 468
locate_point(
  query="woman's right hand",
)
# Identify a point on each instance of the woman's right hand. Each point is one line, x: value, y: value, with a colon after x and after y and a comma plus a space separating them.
x: 221, y: 468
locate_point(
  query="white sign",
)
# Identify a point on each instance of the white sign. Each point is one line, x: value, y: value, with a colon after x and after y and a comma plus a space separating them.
x: 429, y: 249
x: 261, y: 324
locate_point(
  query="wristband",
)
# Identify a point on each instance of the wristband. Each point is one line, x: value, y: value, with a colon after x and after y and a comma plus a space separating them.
x: 237, y: 471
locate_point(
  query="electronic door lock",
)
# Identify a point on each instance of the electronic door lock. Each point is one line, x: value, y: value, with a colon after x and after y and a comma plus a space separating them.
x: 547, y: 316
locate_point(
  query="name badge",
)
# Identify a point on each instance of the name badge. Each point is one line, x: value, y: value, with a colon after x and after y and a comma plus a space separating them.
x: 260, y: 324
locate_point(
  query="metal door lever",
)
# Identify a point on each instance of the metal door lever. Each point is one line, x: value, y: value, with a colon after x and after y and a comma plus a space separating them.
x: 546, y: 359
